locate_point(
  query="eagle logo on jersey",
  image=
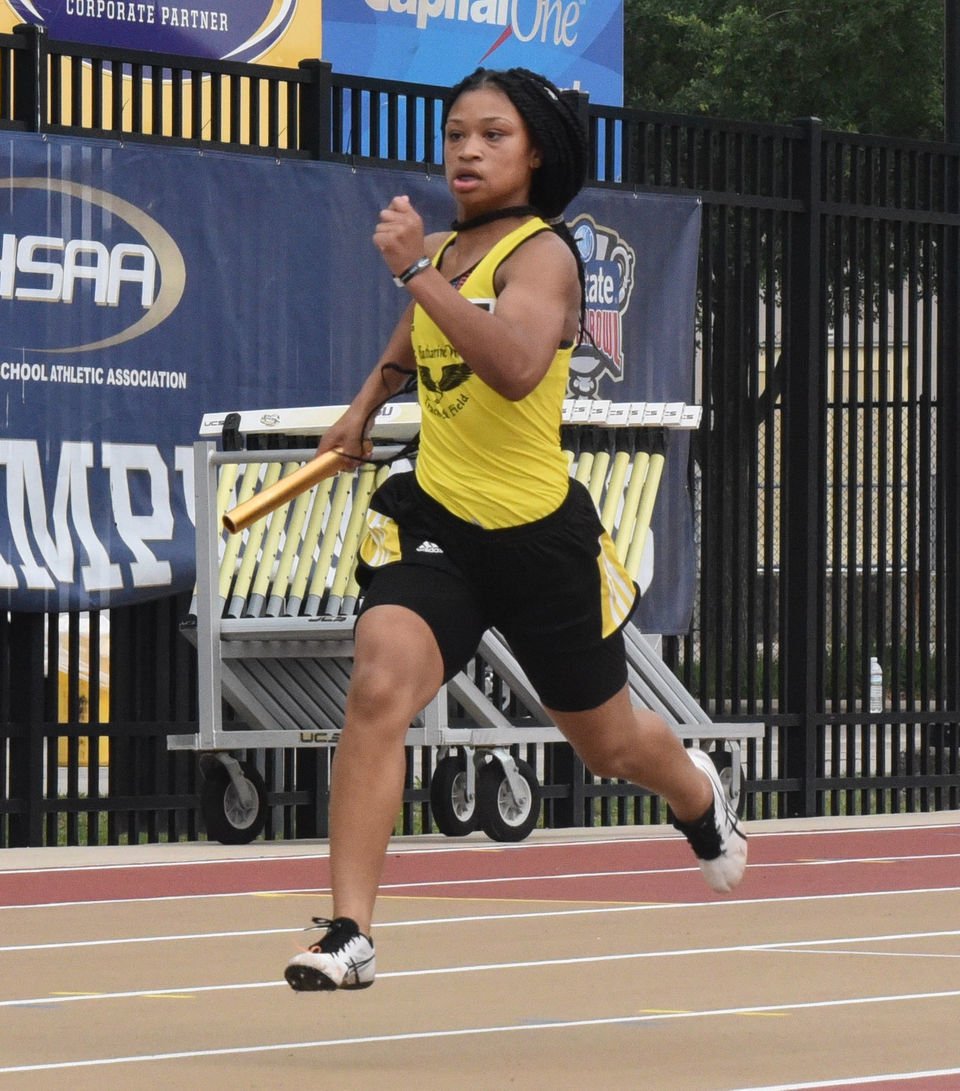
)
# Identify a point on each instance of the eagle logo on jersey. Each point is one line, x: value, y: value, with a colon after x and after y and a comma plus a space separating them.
x: 451, y: 376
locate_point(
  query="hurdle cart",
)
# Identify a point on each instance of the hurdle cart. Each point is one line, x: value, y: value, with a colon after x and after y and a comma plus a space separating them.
x: 274, y: 609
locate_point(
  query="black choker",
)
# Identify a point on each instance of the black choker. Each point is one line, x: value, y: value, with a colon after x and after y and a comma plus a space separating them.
x: 489, y: 217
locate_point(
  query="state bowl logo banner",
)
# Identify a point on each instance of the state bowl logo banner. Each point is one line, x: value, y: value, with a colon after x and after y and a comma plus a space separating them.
x: 609, y: 264
x: 238, y: 30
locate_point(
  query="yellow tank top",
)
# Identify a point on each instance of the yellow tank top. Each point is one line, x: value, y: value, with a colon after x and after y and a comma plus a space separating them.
x: 488, y: 460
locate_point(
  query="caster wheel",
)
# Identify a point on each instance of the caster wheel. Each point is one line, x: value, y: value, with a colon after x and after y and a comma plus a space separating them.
x: 233, y: 817
x: 454, y: 814
x: 502, y: 817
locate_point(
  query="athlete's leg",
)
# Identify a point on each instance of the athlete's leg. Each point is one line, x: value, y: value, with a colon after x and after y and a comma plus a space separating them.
x: 397, y: 669
x: 619, y: 741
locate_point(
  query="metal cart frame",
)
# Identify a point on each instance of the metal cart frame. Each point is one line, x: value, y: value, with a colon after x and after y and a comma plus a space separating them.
x: 286, y: 675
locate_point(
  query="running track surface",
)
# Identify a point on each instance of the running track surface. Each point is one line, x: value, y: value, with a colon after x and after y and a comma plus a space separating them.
x: 569, y: 961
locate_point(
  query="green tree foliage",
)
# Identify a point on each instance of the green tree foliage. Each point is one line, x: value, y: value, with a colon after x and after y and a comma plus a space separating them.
x: 872, y: 66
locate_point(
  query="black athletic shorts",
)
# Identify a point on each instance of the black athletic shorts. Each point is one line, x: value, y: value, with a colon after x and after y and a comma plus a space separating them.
x: 542, y: 585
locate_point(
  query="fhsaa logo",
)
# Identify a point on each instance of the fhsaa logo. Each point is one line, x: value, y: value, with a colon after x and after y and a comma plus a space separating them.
x: 75, y: 272
x: 609, y: 268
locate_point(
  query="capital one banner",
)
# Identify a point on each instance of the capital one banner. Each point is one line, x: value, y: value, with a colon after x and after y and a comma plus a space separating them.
x: 576, y: 43
x: 143, y: 287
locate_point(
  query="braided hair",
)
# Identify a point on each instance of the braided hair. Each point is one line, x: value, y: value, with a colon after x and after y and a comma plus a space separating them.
x: 556, y: 130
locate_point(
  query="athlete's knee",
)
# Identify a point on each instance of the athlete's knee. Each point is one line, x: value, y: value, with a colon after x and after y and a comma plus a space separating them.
x: 610, y: 758
x: 381, y: 691
x: 625, y: 747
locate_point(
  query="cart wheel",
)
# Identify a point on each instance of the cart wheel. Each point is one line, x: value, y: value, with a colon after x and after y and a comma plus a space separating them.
x: 503, y: 818
x: 229, y: 818
x: 454, y: 814
x: 722, y: 759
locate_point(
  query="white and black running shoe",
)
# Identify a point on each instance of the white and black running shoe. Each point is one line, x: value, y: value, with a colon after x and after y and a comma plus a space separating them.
x: 342, y: 959
x: 717, y: 839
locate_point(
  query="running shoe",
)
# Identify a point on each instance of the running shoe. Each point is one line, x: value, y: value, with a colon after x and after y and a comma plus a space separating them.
x: 716, y: 839
x: 342, y: 958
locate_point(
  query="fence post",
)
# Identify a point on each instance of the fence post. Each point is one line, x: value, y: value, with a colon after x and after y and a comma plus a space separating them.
x: 312, y: 775
x: 580, y: 101
x: 30, y: 78
x: 314, y: 131
x: 802, y: 551
x: 27, y: 708
x: 562, y: 767
x: 948, y: 428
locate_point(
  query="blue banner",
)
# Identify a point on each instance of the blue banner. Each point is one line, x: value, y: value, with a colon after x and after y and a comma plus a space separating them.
x: 241, y: 30
x: 575, y: 44
x: 142, y: 287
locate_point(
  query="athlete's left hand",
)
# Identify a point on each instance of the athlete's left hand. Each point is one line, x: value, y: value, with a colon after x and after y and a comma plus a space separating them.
x: 399, y: 235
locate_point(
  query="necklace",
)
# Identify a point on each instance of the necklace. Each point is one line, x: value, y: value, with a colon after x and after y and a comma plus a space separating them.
x: 489, y: 217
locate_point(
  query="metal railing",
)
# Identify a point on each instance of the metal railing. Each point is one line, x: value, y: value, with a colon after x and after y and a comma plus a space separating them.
x: 824, y: 477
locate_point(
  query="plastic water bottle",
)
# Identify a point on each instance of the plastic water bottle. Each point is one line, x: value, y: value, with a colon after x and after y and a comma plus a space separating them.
x: 876, y: 685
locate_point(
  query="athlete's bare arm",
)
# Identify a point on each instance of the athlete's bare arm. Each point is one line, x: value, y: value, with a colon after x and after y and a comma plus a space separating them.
x: 537, y: 305
x: 353, y: 428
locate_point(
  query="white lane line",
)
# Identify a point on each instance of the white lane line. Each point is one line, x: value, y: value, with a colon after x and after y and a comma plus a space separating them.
x: 426, y: 884
x: 150, y: 865
x: 778, y: 946
x: 895, y: 1078
x: 623, y: 872
x: 471, y: 918
x: 875, y: 954
x: 151, y: 898
x: 466, y: 1032
x: 165, y: 897
x: 145, y: 939
x: 484, y: 847
x: 487, y: 847
x: 323, y: 891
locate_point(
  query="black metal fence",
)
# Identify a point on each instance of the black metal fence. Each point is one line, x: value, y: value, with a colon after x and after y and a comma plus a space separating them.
x: 825, y: 474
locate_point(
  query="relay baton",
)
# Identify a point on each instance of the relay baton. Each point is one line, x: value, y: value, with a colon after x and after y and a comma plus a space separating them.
x: 274, y: 496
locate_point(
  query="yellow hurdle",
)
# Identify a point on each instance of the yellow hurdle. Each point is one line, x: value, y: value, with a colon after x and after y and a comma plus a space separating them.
x: 648, y: 497
x: 614, y: 493
x: 631, y: 504
x: 366, y: 483
x: 293, y: 545
x: 598, y: 476
x: 328, y: 543
x: 352, y: 593
x: 304, y: 556
x: 584, y: 467
x: 267, y: 564
x: 225, y: 483
x: 251, y: 550
x: 248, y: 485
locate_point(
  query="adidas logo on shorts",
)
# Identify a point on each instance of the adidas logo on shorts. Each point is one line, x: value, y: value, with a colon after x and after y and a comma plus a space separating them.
x: 428, y: 547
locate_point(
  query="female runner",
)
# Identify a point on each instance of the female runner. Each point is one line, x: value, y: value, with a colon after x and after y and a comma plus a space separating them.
x: 489, y: 530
